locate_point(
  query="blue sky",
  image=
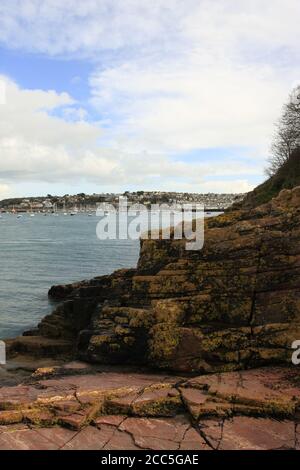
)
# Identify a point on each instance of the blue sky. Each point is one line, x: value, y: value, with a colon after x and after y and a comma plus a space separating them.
x: 168, y: 95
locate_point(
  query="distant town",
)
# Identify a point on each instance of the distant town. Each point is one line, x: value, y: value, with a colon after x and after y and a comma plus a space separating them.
x: 89, y: 203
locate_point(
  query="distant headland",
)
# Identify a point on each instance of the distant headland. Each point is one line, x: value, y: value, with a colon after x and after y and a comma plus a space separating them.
x: 84, y: 202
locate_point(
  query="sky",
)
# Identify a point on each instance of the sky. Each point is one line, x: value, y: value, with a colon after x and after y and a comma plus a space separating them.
x: 114, y: 95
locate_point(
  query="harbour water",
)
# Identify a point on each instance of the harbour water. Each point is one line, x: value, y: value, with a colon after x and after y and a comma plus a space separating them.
x: 37, y: 252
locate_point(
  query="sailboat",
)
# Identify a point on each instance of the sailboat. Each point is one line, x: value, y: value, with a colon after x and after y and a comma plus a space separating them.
x: 55, y: 214
x: 31, y: 213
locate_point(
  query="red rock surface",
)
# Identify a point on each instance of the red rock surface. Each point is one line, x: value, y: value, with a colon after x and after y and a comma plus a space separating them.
x: 246, y: 433
x: 78, y: 407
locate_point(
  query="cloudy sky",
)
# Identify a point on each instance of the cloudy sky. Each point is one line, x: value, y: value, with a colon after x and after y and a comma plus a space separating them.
x: 114, y: 95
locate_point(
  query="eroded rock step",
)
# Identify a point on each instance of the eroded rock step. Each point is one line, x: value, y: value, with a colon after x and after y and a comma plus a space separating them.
x: 233, y: 305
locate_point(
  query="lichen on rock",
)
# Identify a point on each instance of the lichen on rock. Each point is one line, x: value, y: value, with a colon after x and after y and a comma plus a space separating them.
x: 232, y: 305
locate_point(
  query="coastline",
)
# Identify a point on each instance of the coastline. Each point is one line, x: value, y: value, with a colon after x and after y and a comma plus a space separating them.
x: 144, y: 348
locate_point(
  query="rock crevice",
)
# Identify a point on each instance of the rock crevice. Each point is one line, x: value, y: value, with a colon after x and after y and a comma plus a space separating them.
x: 77, y: 406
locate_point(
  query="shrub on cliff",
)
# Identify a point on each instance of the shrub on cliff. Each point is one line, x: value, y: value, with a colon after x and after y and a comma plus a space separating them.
x: 284, y: 163
x: 286, y: 177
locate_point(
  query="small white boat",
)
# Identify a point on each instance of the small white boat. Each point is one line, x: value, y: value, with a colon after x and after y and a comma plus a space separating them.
x: 19, y: 216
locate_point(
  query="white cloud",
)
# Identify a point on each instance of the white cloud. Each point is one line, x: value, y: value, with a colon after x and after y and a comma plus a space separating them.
x: 244, y: 28
x: 73, y: 27
x: 175, y: 76
x: 221, y: 83
x: 56, y: 27
x: 4, y: 190
x: 183, y: 106
x: 212, y: 186
x: 36, y: 146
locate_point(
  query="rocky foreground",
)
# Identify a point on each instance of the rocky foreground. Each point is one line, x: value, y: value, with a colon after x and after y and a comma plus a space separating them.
x: 77, y: 406
x: 205, y: 317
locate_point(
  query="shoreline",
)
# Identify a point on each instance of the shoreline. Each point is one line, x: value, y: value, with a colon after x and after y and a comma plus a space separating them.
x: 159, y: 346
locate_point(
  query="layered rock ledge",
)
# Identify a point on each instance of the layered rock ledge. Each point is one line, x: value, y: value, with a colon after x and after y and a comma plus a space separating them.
x: 218, y: 323
x: 234, y: 304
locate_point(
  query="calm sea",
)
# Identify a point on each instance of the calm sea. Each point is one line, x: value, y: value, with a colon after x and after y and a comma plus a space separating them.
x: 37, y: 252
